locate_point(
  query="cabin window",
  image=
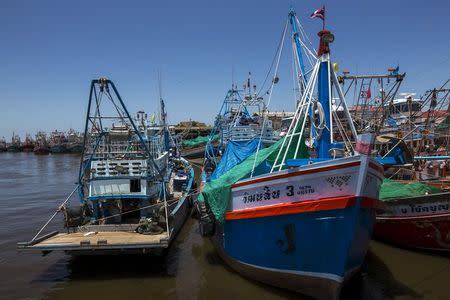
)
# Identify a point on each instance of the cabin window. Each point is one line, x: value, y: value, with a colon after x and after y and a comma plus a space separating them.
x: 135, y: 185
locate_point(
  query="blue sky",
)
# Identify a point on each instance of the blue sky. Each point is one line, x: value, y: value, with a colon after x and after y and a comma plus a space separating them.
x: 52, y: 49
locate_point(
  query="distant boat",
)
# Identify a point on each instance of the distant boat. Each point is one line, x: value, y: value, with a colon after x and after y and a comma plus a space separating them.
x: 74, y: 142
x: 41, y: 145
x: 28, y: 145
x: 15, y: 145
x: 3, y: 147
x: 58, y: 142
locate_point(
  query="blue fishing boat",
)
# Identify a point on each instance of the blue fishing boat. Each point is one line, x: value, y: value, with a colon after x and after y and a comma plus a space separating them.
x: 239, y: 130
x: 293, y: 217
x: 134, y: 190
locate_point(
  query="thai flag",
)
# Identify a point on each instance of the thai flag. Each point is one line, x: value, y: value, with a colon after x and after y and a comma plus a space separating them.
x: 319, y: 13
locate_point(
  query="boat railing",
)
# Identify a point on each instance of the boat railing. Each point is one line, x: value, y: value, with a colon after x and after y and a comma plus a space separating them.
x: 125, y: 149
x: 249, y: 132
x: 108, y: 168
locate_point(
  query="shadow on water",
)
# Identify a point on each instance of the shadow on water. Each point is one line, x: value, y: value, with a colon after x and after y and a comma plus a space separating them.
x: 376, y: 281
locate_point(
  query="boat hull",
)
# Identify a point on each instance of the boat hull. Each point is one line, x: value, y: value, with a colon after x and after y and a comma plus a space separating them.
x: 121, y: 238
x: 75, y: 148
x: 420, y: 223
x: 13, y: 148
x: 41, y: 151
x: 27, y: 148
x: 306, y: 229
x: 58, y: 149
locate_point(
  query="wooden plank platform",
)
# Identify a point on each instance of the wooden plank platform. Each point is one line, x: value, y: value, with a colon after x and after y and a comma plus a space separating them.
x: 101, y: 240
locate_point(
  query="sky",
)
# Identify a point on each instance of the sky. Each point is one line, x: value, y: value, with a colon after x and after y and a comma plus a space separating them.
x: 51, y: 50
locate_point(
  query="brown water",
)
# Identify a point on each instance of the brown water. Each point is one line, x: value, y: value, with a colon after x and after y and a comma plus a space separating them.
x: 32, y: 187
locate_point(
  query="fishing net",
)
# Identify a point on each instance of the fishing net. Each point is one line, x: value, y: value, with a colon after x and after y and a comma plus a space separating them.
x: 199, y: 141
x: 217, y: 193
x: 392, y: 190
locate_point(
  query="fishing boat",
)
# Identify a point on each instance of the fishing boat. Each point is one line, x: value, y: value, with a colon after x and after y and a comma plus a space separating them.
x: 417, y: 216
x: 133, y: 194
x: 58, y: 142
x: 41, y: 145
x: 292, y: 221
x: 28, y: 145
x: 15, y: 145
x: 238, y: 131
x: 74, y: 142
x: 3, y: 147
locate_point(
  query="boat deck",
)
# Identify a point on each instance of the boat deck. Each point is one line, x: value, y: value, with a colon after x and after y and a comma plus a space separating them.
x: 106, y: 240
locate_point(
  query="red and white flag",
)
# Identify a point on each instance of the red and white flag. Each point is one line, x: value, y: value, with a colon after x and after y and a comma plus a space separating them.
x: 319, y: 13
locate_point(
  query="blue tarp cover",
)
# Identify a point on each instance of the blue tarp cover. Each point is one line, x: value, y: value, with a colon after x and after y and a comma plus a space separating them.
x: 234, y: 154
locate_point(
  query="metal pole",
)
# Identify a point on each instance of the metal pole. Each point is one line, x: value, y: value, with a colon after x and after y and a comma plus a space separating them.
x: 398, y: 143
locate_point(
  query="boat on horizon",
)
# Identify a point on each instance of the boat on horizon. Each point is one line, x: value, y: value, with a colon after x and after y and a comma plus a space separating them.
x: 28, y: 145
x: 295, y: 218
x: 74, y: 141
x: 3, y: 147
x: 41, y: 145
x: 58, y: 142
x: 15, y: 145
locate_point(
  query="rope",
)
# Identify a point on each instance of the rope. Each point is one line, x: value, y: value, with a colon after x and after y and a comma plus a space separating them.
x: 270, y: 97
x: 170, y: 202
x: 60, y: 207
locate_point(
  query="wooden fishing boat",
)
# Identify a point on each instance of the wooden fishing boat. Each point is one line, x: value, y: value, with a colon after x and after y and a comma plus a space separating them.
x: 41, y: 145
x: 3, y: 145
x: 74, y: 142
x: 28, y: 145
x: 16, y: 145
x: 134, y: 196
x: 58, y: 142
x: 305, y: 223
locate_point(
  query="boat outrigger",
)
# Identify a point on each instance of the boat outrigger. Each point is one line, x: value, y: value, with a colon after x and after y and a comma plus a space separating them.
x: 293, y: 218
x: 133, y: 190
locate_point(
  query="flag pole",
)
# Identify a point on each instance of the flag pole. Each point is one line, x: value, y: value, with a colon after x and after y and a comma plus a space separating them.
x: 323, y: 20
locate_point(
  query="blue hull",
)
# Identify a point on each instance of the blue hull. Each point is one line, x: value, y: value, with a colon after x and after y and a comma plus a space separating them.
x: 313, y: 253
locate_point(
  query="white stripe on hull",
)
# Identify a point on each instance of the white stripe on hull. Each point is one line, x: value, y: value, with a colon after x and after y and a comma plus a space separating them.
x: 328, y: 276
x: 340, y: 182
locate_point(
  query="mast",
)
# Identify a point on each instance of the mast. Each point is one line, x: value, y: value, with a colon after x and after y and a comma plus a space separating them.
x: 163, y: 115
x: 164, y: 125
x: 298, y: 47
x: 324, y: 94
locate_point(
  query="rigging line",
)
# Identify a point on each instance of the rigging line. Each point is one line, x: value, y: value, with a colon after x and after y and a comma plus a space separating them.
x: 60, y: 207
x: 98, y: 102
x: 270, y: 98
x: 295, y: 119
x: 280, y: 45
x: 429, y: 98
x: 304, y: 119
x: 300, y: 76
x: 126, y: 212
x: 296, y: 92
x: 311, y: 57
x: 301, y: 110
x: 119, y: 111
x: 305, y: 36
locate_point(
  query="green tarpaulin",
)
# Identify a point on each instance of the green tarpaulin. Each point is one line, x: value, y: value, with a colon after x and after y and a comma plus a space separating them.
x: 199, y: 141
x: 217, y: 193
x: 392, y: 190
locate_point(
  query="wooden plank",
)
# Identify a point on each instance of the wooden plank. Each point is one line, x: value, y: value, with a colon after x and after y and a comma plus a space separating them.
x: 115, y: 239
